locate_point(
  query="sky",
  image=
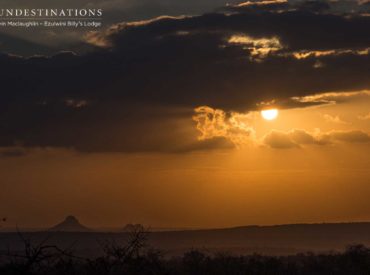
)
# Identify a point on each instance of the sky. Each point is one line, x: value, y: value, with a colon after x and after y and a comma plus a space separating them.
x: 156, y: 118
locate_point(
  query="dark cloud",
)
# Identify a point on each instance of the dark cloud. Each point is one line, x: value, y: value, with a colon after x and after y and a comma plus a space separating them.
x: 138, y: 93
x: 297, y: 138
x: 49, y: 41
x: 299, y: 30
x: 315, y: 6
x: 354, y: 136
x: 12, y: 152
x: 279, y: 140
x: 10, y: 44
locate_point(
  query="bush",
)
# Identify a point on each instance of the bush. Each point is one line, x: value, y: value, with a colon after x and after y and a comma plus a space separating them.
x: 134, y: 257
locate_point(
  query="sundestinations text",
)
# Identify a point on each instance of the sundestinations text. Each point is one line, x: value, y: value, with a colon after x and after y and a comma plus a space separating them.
x: 34, y: 13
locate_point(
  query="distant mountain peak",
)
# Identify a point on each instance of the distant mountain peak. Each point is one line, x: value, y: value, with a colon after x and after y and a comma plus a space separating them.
x: 70, y: 224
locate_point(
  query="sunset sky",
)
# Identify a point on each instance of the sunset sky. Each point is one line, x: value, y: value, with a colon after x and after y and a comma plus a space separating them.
x: 157, y: 117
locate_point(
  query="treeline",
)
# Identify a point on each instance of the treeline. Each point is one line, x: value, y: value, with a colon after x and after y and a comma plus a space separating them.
x: 134, y: 257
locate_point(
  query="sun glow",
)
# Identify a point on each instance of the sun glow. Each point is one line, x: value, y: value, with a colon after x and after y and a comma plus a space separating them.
x: 270, y: 114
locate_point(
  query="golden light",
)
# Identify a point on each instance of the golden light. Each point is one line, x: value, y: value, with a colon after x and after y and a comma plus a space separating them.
x: 270, y: 114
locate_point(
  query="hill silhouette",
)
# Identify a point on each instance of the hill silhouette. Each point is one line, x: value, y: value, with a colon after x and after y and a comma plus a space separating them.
x: 70, y: 224
x: 269, y: 240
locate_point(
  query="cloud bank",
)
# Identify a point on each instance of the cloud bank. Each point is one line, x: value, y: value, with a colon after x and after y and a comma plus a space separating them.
x: 137, y: 90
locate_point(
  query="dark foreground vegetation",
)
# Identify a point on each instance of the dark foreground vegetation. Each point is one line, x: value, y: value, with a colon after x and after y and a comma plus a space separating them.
x: 134, y: 257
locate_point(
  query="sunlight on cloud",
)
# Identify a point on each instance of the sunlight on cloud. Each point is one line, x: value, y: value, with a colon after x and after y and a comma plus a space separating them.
x: 213, y: 123
x: 259, y: 48
x: 331, y: 97
x: 103, y: 38
x: 364, y: 117
x: 260, y: 3
x: 237, y: 128
x: 297, y: 127
x: 308, y: 54
x: 298, y: 137
x: 334, y: 119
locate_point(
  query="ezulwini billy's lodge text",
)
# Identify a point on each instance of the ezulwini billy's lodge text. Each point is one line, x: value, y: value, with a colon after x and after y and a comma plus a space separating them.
x: 52, y: 24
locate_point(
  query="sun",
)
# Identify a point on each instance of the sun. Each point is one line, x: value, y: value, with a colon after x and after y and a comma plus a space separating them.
x: 270, y: 114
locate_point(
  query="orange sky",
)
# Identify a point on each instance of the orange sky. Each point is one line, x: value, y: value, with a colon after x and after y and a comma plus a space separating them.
x: 254, y: 183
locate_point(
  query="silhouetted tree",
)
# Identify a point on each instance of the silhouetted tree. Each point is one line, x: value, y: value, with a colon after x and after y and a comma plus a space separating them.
x: 134, y: 257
